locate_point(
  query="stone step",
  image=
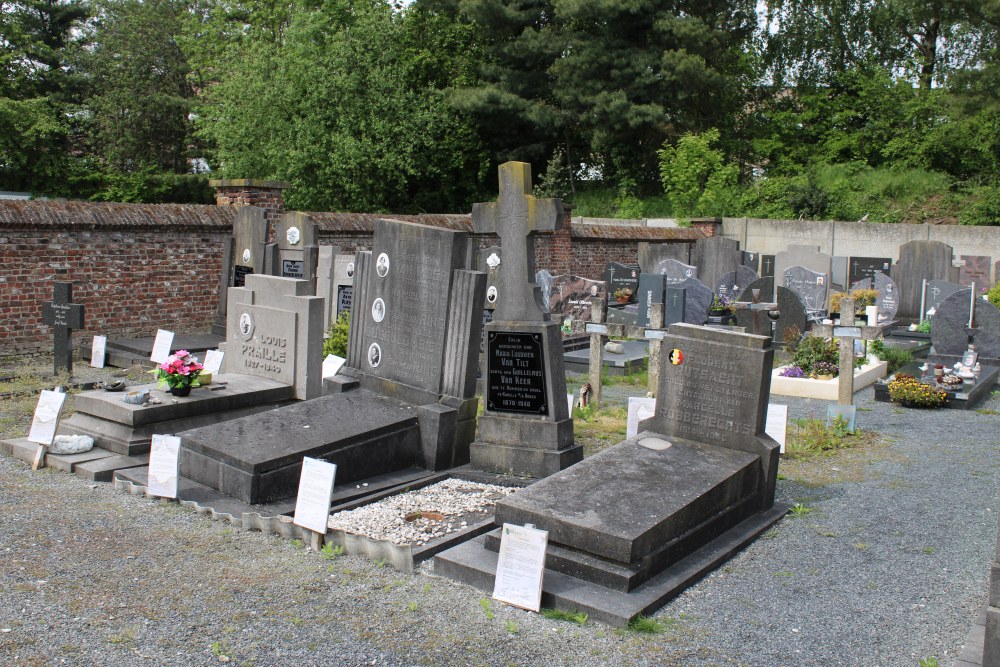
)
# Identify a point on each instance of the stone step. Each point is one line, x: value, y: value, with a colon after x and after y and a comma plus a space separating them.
x: 103, y: 469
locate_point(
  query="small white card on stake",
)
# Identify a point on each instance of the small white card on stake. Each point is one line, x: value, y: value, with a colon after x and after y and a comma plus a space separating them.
x: 332, y: 365
x: 46, y: 418
x: 161, y: 346
x: 570, y: 400
x: 312, y: 505
x: 639, y: 408
x: 776, y: 425
x: 213, y: 361
x: 520, y: 566
x: 97, y: 350
x: 164, y: 466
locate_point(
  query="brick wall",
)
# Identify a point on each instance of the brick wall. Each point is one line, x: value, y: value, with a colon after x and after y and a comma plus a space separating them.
x: 135, y: 268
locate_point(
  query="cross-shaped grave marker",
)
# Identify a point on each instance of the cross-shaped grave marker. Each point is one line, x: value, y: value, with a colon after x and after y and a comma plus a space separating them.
x: 63, y: 316
x: 515, y: 217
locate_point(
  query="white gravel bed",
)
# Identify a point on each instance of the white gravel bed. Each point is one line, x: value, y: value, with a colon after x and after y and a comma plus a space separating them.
x: 445, y: 507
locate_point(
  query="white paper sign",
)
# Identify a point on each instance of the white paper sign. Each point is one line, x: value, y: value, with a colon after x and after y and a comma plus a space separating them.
x: 777, y: 423
x: 161, y: 346
x: 312, y: 505
x: 97, y: 351
x: 639, y: 408
x: 164, y: 466
x: 46, y: 418
x: 213, y: 361
x: 520, y: 566
x: 332, y: 365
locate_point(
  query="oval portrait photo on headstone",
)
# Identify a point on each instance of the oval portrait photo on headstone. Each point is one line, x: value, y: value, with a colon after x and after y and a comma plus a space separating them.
x: 382, y: 265
x: 378, y: 310
x: 374, y: 355
x: 246, y: 326
x: 491, y: 294
x: 292, y: 235
x: 350, y: 270
x: 246, y: 256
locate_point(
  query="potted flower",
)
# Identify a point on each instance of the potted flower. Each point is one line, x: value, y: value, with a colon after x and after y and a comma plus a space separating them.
x: 179, y: 372
x: 824, y: 370
x: 623, y: 294
x: 909, y: 392
x: 722, y: 311
x: 792, y: 372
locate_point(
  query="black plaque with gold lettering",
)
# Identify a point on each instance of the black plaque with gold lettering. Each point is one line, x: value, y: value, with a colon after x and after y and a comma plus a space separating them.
x: 240, y: 274
x: 516, y: 381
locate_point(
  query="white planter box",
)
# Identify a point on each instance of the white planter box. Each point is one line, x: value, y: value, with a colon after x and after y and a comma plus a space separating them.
x: 826, y: 390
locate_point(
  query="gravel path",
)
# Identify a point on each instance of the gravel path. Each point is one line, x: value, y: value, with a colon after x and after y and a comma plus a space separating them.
x: 890, y: 566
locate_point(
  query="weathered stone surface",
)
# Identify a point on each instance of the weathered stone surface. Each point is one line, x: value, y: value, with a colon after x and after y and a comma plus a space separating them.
x: 810, y: 286
x: 732, y: 284
x: 950, y: 332
x: 298, y: 251
x: 652, y: 254
x: 750, y: 260
x: 715, y: 257
x: 697, y: 298
x: 242, y: 254
x: 258, y: 458
x: 919, y: 261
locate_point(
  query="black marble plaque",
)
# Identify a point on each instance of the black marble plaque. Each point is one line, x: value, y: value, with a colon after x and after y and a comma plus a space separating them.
x: 345, y: 293
x: 292, y: 268
x: 767, y: 266
x: 516, y: 381
x: 621, y: 276
x: 859, y: 268
x: 750, y: 260
x: 240, y: 274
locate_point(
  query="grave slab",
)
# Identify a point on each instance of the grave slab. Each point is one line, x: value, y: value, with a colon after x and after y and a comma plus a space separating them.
x: 103, y: 469
x: 631, y: 360
x: 128, y: 352
x: 66, y: 462
x: 964, y: 398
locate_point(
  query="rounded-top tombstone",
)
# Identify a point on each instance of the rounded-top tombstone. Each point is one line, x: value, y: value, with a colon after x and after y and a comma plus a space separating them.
x: 732, y: 284
x: 950, y: 327
x: 792, y: 312
x: 697, y: 300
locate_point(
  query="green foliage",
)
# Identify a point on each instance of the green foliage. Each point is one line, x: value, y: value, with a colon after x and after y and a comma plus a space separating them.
x: 695, y: 176
x: 487, y: 606
x: 929, y: 662
x: 577, y: 617
x: 646, y: 625
x: 799, y: 510
x: 924, y: 327
x: 336, y: 340
x: 814, y: 349
x: 895, y: 358
x: 993, y: 295
x: 331, y: 552
x: 810, y: 438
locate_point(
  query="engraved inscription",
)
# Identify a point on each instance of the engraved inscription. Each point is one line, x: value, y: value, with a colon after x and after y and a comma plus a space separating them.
x: 709, y: 405
x: 516, y: 380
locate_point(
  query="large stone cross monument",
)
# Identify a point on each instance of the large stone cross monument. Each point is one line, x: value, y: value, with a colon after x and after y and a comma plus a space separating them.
x: 526, y: 429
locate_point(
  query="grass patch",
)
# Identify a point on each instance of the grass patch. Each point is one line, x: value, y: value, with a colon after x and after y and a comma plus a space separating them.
x: 988, y: 411
x: 599, y: 429
x: 647, y: 625
x: 842, y: 464
x: 487, y: 606
x: 800, y: 510
x: 808, y: 438
x: 569, y: 616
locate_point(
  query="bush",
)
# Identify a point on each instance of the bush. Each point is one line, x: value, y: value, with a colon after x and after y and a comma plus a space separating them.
x: 336, y: 341
x: 894, y: 357
x: 993, y: 296
x: 812, y: 350
x: 907, y: 390
x: 862, y: 298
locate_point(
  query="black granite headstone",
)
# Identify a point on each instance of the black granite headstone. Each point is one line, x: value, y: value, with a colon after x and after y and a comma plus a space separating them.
x: 733, y: 283
x: 621, y: 276
x: 860, y: 268
x: 240, y: 274
x: 697, y: 299
x: 750, y: 260
x: 652, y: 287
x: 888, y: 294
x: 938, y: 291
x: 811, y: 286
x: 63, y: 316
x: 674, y: 305
x: 767, y: 266
x: 516, y: 381
x: 950, y: 327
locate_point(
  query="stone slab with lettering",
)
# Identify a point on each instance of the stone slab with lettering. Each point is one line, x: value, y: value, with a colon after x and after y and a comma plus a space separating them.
x: 702, y: 467
x: 938, y: 291
x: 621, y: 276
x: 343, y: 284
x: 976, y: 269
x: 275, y: 331
x: 792, y: 312
x: 652, y: 254
x: 888, y: 294
x: 298, y: 252
x: 675, y: 272
x: 950, y: 328
x: 732, y: 284
x: 812, y: 287
x: 715, y: 257
x: 242, y: 255
x: 570, y: 296
x: 860, y: 268
x: 919, y: 261
x: 806, y: 256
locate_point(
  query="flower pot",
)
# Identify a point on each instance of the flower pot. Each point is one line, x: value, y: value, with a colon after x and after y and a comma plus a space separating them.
x: 824, y: 376
x: 622, y: 299
x: 180, y: 391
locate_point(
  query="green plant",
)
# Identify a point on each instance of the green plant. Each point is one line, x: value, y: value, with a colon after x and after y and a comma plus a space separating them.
x: 560, y: 615
x: 411, y: 606
x: 511, y: 627
x: 993, y: 296
x: 813, y: 349
x: 646, y: 625
x: 585, y: 413
x: 894, y: 357
x: 929, y: 662
x: 330, y: 552
x: 808, y: 438
x: 907, y: 390
x: 824, y: 368
x: 296, y: 543
x: 336, y: 340
x: 792, y: 336
x: 799, y: 510
x: 862, y: 299
x: 487, y: 606
x: 924, y: 327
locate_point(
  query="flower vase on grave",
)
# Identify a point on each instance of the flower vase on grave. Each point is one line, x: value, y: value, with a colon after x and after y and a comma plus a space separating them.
x: 181, y: 391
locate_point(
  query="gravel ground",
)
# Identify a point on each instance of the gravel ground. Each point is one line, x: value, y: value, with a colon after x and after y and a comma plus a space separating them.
x: 889, y: 566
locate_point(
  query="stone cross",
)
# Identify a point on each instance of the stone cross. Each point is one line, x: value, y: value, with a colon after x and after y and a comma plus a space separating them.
x: 515, y: 216
x: 63, y: 316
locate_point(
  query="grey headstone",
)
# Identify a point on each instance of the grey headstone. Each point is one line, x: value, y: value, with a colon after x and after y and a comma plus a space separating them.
x: 860, y: 268
x: 838, y: 273
x: 651, y: 254
x: 326, y: 281
x: 732, y: 284
x: 950, y: 332
x: 811, y: 286
x: 571, y: 295
x: 697, y: 298
x: 675, y: 272
x: 652, y: 288
x: 275, y: 331
x: 715, y: 257
x: 939, y: 290
x: 621, y: 276
x: 919, y: 261
x: 343, y: 284
x: 674, y: 305
x: 806, y: 256
x: 243, y: 254
x: 298, y: 252
x: 975, y: 270
x: 792, y: 312
x: 488, y: 261
x: 751, y: 260
x: 888, y: 294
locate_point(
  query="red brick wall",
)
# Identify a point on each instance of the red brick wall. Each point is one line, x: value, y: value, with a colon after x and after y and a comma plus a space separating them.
x: 135, y: 268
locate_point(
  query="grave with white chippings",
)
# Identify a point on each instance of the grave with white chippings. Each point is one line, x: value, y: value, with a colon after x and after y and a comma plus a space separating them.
x: 632, y: 526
